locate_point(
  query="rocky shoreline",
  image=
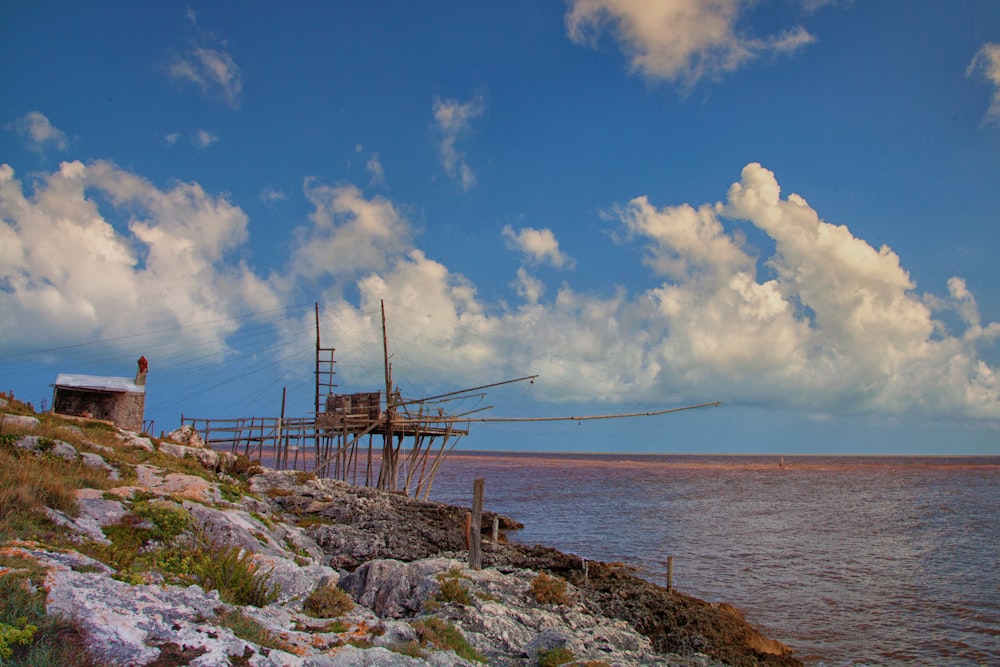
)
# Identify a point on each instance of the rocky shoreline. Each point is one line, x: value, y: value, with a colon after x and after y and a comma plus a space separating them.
x: 396, y: 566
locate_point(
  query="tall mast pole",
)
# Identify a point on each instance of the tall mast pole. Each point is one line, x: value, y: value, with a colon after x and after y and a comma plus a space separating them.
x: 317, y: 356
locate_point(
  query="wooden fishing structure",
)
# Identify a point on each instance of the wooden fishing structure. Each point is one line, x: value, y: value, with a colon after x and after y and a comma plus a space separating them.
x: 359, y: 438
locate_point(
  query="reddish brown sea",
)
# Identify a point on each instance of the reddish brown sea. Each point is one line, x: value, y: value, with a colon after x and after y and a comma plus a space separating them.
x: 850, y: 560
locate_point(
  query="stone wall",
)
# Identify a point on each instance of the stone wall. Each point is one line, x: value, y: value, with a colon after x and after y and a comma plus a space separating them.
x: 125, y: 409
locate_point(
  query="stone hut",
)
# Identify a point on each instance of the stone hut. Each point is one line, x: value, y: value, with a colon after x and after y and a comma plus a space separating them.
x: 115, y: 399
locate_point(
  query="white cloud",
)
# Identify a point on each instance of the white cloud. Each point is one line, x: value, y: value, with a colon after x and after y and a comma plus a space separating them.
x: 203, y: 139
x: 677, y: 39
x: 374, y: 169
x: 270, y: 195
x: 540, y: 245
x: 38, y: 133
x: 69, y: 274
x: 454, y: 121
x: 348, y: 233
x: 171, y: 138
x: 987, y: 61
x: 835, y: 327
x: 839, y: 328
x: 212, y: 69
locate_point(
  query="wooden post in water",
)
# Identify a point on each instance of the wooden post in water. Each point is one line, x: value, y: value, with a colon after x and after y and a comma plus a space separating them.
x: 496, y: 533
x: 476, y: 534
x: 670, y: 573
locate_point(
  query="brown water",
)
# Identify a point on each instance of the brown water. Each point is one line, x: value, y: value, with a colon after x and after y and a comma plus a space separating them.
x: 850, y: 560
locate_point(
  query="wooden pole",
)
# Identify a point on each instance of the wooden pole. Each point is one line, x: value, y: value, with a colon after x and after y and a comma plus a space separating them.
x: 282, y: 456
x: 476, y: 534
x: 670, y: 573
x: 496, y: 533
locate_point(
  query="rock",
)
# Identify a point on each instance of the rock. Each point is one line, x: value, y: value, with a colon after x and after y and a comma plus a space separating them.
x: 97, y: 461
x: 40, y: 445
x: 132, y: 439
x: 394, y: 589
x: 125, y: 623
x: 237, y: 528
x: 295, y: 582
x: 93, y: 513
x: 351, y: 656
x: 186, y: 435
x: 19, y: 422
x: 175, y: 483
x: 206, y: 457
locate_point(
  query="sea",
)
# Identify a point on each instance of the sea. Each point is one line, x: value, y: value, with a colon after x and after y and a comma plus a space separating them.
x: 849, y: 560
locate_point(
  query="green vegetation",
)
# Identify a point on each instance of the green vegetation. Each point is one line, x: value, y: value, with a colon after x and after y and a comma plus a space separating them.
x: 554, y: 657
x: 29, y: 483
x: 547, y: 589
x: 452, y: 589
x: 246, y: 628
x: 440, y: 634
x: 312, y: 521
x: 328, y: 602
x: 29, y: 637
x: 229, y: 570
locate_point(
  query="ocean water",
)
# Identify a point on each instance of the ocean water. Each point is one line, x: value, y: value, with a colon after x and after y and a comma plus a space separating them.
x: 849, y: 560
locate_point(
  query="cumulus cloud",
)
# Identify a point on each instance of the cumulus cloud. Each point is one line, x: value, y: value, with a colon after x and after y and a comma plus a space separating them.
x: 348, y: 233
x: 539, y: 245
x: 207, y: 65
x: 832, y: 326
x: 38, y: 133
x: 836, y: 327
x: 674, y: 40
x: 69, y: 273
x: 987, y: 62
x: 453, y: 120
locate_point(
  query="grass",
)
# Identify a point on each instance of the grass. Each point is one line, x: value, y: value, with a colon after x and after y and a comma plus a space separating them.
x: 436, y: 633
x: 554, y: 657
x: 29, y: 637
x: 452, y: 589
x: 29, y: 483
x: 229, y: 570
x: 246, y: 628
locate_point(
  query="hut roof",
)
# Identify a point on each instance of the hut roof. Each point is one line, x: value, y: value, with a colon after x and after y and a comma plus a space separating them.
x: 98, y: 383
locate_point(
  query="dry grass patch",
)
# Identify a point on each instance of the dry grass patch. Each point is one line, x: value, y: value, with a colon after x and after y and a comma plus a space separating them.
x: 547, y: 589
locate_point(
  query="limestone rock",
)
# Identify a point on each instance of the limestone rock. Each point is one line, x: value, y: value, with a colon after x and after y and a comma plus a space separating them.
x: 40, y: 445
x: 175, y: 483
x: 133, y: 439
x: 97, y: 461
x: 394, y: 589
x: 206, y: 457
x: 186, y: 435
x: 19, y: 422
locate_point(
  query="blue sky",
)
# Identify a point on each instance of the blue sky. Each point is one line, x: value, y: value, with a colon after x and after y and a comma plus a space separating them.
x: 790, y: 207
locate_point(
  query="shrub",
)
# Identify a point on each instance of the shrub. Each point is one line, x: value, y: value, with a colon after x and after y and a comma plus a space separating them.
x: 235, y: 574
x: 547, y: 589
x: 29, y: 636
x: 312, y: 521
x: 554, y: 657
x: 246, y: 628
x: 12, y: 634
x: 440, y: 634
x: 452, y: 590
x: 410, y: 648
x: 328, y: 602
